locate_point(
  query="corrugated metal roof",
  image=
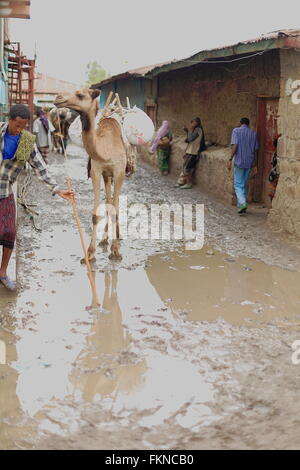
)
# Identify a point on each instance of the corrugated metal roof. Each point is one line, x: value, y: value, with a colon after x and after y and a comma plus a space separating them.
x: 273, y: 40
x: 139, y: 72
x: 272, y: 35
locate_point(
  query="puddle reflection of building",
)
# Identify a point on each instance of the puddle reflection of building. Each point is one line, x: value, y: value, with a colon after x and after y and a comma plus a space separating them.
x: 262, y: 292
x: 10, y: 407
x: 105, y: 367
x: 194, y: 283
x: 208, y: 287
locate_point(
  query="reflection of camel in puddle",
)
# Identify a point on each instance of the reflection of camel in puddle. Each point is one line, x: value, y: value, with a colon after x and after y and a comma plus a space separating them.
x: 105, y: 367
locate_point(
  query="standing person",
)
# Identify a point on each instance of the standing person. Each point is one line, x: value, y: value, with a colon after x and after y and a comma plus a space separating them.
x: 17, y: 147
x: 244, y: 150
x: 162, y: 144
x: 42, y: 128
x: 196, y: 144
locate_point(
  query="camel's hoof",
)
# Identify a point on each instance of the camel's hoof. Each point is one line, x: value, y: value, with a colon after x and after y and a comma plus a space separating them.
x: 91, y: 260
x: 104, y: 242
x: 115, y: 257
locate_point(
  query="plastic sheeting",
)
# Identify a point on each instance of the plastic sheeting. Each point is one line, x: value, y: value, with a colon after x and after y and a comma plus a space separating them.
x: 136, y: 127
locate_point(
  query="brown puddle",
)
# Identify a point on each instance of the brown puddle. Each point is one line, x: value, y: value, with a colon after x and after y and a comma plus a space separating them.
x: 59, y: 350
x: 208, y: 284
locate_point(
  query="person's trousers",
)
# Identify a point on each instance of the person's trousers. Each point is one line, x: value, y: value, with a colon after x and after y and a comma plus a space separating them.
x: 241, y: 176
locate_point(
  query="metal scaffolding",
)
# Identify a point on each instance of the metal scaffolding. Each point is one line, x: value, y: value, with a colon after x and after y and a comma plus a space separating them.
x: 20, y: 77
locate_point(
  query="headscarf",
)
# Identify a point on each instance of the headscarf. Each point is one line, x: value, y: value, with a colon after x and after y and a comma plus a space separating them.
x: 162, y: 132
x: 44, y: 120
x: 198, y: 121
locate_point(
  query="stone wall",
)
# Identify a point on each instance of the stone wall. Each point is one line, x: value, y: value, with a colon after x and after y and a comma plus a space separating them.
x: 219, y: 94
x: 285, y: 212
x: 211, y: 173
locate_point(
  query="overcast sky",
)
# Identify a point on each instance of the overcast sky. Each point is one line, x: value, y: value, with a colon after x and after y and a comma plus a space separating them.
x: 125, y: 34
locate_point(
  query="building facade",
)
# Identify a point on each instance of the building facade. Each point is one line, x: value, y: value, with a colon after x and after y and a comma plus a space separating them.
x: 134, y: 84
x: 258, y: 79
x: 47, y: 88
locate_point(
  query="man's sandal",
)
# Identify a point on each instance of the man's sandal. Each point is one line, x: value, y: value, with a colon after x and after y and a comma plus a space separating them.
x: 8, y: 283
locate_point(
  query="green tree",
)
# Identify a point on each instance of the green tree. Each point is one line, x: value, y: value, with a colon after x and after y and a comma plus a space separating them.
x: 95, y: 73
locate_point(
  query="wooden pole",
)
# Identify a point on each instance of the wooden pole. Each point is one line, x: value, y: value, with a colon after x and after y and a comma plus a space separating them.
x: 77, y: 219
x: 88, y: 265
x: 108, y: 100
x: 119, y: 104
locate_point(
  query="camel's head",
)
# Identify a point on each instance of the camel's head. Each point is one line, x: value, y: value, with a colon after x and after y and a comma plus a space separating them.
x: 82, y: 100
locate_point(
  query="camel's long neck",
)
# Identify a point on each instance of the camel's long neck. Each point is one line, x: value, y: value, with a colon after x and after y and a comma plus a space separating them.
x: 88, y: 132
x: 104, y: 143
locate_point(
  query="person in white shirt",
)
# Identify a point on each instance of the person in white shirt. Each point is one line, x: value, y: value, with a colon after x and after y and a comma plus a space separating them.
x: 43, y: 128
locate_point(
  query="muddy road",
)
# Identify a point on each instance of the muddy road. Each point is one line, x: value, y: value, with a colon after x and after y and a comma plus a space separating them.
x: 189, y: 350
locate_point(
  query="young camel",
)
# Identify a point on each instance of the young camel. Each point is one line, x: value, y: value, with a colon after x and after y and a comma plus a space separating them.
x: 107, y: 153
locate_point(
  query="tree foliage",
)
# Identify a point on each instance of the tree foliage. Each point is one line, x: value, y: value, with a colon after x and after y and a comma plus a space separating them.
x: 95, y: 73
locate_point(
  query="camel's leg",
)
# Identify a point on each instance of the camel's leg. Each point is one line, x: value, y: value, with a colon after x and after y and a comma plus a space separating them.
x: 54, y: 143
x: 114, y: 283
x: 57, y: 144
x: 115, y: 255
x: 96, y: 180
x: 106, y: 297
x: 107, y: 183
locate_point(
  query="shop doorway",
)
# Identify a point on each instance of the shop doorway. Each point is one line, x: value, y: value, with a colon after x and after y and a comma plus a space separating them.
x: 267, y: 131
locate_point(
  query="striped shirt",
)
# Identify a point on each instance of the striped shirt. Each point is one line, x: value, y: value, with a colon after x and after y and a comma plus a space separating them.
x: 10, y: 169
x: 247, y: 143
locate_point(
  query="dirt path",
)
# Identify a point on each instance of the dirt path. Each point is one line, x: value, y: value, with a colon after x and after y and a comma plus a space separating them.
x: 189, y: 350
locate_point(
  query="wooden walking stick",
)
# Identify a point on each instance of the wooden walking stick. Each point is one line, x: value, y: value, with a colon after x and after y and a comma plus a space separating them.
x: 78, y: 223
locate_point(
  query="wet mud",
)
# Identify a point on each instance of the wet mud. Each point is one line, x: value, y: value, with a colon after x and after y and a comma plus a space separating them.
x: 188, y: 350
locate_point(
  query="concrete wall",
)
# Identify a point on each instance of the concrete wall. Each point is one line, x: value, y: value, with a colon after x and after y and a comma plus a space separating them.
x: 285, y: 212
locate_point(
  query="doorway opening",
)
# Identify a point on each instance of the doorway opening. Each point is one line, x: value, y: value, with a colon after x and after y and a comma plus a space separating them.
x: 267, y: 132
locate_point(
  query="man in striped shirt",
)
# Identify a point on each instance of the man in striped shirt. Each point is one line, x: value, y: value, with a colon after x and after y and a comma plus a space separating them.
x: 244, y: 150
x: 13, y: 158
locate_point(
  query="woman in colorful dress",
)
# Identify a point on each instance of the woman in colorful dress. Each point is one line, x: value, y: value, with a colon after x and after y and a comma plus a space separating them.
x: 162, y: 145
